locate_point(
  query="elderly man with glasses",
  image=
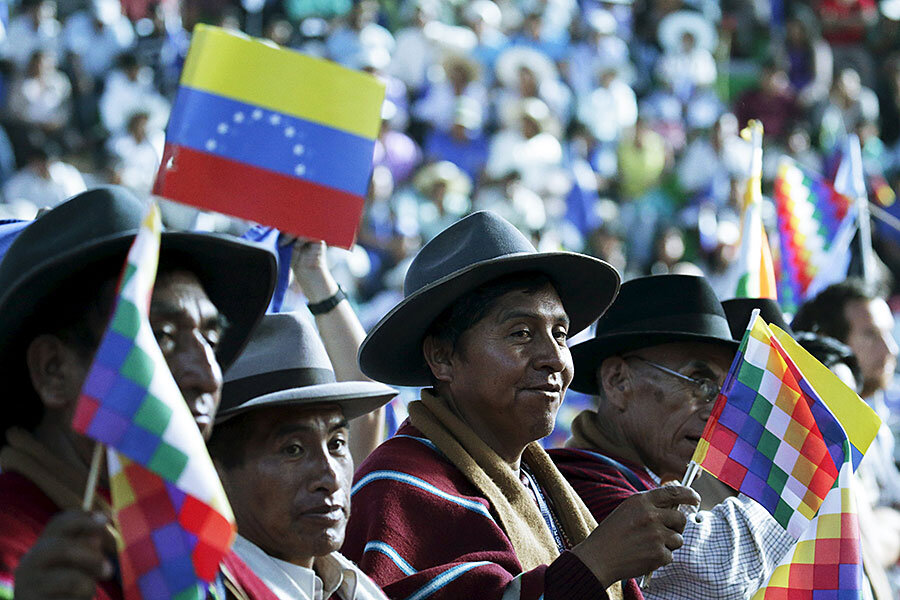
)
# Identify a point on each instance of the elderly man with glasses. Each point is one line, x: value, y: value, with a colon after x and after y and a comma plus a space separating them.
x: 656, y: 363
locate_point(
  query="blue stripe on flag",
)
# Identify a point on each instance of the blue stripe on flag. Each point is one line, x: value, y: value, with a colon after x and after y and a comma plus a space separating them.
x: 387, y: 550
x: 422, y: 485
x: 443, y: 579
x: 270, y: 140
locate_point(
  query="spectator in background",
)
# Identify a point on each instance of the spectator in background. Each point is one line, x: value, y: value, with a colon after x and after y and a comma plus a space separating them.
x: 136, y: 153
x: 465, y: 144
x: 687, y: 67
x: 810, y: 62
x: 42, y: 96
x: 610, y: 108
x: 358, y: 32
x: 458, y: 78
x: 439, y: 198
x: 44, y: 180
x: 849, y: 105
x: 415, y: 52
x: 845, y: 25
x: 95, y: 37
x: 710, y: 162
x: 528, y: 147
x: 129, y: 89
x: 601, y: 49
x: 642, y: 158
x: 772, y: 102
x: 393, y: 148
x: 485, y: 19
x: 527, y: 73
x: 36, y: 28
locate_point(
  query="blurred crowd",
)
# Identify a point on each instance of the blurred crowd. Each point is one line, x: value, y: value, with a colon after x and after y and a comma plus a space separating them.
x: 604, y: 126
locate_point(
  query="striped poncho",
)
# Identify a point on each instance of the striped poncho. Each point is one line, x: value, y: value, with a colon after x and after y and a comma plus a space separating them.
x: 421, y: 529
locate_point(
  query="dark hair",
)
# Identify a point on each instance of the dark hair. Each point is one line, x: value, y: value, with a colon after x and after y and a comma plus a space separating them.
x: 76, y: 312
x: 471, y: 307
x: 824, y: 314
x: 226, y: 445
x: 830, y: 352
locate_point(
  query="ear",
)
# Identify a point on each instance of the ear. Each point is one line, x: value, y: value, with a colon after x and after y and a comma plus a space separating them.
x: 56, y: 371
x: 438, y: 356
x: 614, y: 378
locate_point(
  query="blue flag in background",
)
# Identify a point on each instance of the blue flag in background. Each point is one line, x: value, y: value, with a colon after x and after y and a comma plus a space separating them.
x: 268, y: 236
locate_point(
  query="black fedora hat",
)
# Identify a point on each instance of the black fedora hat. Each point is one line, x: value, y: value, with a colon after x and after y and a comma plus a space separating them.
x: 649, y: 311
x: 738, y: 311
x: 285, y: 363
x: 93, y: 232
x: 473, y: 251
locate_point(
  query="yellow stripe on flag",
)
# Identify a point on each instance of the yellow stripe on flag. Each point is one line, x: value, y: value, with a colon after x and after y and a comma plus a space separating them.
x: 251, y: 71
x: 859, y: 421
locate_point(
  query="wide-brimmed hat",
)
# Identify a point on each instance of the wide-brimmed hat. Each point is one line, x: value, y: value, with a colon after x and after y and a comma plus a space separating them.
x: 285, y: 363
x: 471, y: 252
x: 674, y: 25
x: 511, y: 61
x: 650, y: 311
x: 738, y: 311
x: 92, y: 232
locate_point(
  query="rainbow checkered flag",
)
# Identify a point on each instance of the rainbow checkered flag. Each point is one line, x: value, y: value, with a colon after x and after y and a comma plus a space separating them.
x: 167, y: 500
x: 815, y: 227
x: 757, y: 278
x: 773, y: 437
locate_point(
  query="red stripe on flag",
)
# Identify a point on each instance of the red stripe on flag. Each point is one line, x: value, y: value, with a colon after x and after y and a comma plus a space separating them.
x: 286, y: 203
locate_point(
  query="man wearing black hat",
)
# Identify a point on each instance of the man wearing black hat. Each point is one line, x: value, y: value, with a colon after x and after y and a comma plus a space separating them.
x: 281, y: 446
x: 462, y: 502
x: 656, y: 362
x: 57, y: 286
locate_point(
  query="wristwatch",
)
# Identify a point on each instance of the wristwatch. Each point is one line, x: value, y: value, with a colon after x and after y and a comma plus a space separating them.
x: 320, y: 308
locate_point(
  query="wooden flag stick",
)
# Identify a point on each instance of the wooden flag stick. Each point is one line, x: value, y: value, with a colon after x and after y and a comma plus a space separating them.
x: 93, y: 476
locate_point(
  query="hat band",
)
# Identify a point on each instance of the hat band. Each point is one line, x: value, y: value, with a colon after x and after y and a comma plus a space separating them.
x: 235, y: 393
x: 696, y: 323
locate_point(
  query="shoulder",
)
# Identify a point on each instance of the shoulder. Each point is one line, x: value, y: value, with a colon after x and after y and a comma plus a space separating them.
x: 24, y: 512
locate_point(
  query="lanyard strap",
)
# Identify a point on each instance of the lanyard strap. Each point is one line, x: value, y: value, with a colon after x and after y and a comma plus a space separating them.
x: 626, y: 472
x: 549, y: 519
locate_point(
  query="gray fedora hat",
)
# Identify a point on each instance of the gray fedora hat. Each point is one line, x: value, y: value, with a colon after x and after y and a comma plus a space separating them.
x: 473, y: 251
x: 285, y: 363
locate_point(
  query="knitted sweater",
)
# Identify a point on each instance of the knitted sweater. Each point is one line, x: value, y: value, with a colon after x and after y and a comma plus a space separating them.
x: 420, y: 529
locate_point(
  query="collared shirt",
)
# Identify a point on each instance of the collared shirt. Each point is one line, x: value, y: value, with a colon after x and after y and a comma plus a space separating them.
x: 331, y: 574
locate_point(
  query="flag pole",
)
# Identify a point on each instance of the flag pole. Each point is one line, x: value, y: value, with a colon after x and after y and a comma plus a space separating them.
x: 862, y: 207
x: 93, y: 476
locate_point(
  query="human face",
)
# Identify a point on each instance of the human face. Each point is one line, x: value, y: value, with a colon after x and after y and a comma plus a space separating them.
x: 291, y: 493
x: 872, y: 340
x: 665, y: 416
x: 511, y: 369
x: 188, y: 328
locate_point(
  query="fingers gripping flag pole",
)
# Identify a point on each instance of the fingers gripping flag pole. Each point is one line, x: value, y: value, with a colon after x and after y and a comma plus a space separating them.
x: 168, y: 503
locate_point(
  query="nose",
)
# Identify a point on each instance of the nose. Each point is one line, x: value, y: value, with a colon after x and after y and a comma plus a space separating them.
x: 551, y: 356
x: 196, y: 370
x: 324, y: 473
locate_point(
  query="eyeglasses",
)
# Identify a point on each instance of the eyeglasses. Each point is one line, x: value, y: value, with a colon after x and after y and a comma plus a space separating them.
x: 708, y: 388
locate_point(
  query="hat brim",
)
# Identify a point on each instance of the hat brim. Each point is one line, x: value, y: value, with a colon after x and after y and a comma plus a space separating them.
x: 238, y: 277
x: 355, y: 398
x: 392, y: 352
x: 589, y: 355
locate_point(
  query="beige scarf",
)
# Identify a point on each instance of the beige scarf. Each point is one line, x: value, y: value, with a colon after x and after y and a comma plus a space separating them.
x: 585, y: 433
x: 520, y: 517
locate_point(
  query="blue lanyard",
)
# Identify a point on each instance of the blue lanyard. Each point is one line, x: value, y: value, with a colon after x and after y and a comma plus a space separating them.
x: 545, y: 510
x: 627, y: 473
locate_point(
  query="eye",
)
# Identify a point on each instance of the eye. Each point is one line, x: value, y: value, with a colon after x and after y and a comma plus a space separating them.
x: 165, y: 337
x: 337, y: 445
x: 213, y: 337
x: 293, y: 450
x: 521, y: 334
x: 561, y: 334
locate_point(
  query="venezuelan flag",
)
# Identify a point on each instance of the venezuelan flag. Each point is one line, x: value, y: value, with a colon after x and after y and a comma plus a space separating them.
x: 271, y: 135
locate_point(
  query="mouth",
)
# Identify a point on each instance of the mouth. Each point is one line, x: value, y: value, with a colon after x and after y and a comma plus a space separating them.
x: 328, y: 513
